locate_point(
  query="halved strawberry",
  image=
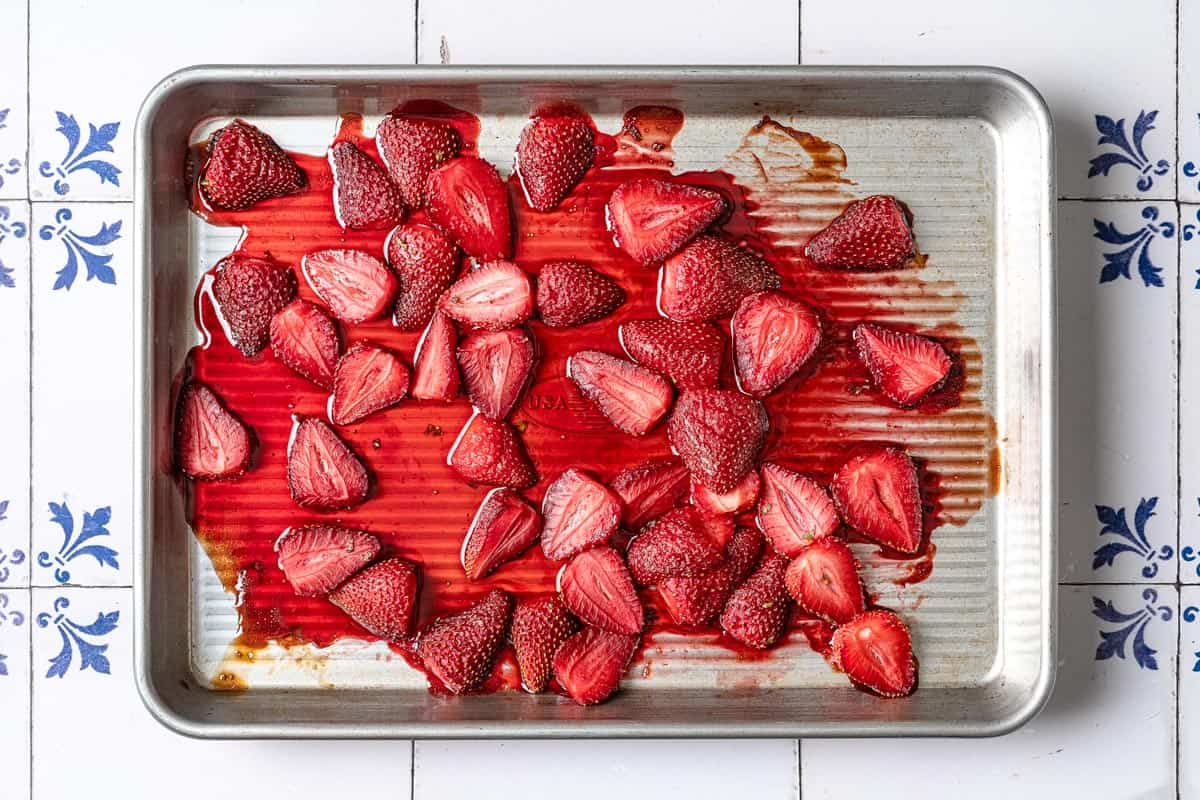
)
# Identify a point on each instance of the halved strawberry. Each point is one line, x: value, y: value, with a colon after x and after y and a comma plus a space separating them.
x: 496, y: 366
x: 243, y: 165
x: 649, y: 490
x: 718, y: 527
x: 674, y: 546
x: 757, y: 611
x: 709, y: 277
x: 504, y: 527
x: 651, y: 219
x: 571, y: 293
x: 905, y: 367
x: 718, y: 433
x: 368, y: 378
x: 248, y: 292
x: 872, y: 233
x: 695, y: 601
x: 412, y: 148
x: 793, y: 510
x: 364, y: 197
x: 460, y: 649
x: 305, y: 339
x: 577, y: 512
x: 589, y: 665
x: 316, y: 559
x: 323, y: 473
x: 426, y: 263
x: 488, y: 451
x: 773, y: 337
x: 689, y: 353
x: 632, y: 398
x: 879, y: 495
x: 211, y: 442
x: 382, y: 598
x: 737, y: 499
x: 466, y: 197
x: 743, y: 552
x: 553, y: 154
x: 355, y: 285
x: 823, y: 580
x: 875, y: 651
x: 493, y: 297
x: 539, y: 627
x: 598, y: 589
x: 435, y: 367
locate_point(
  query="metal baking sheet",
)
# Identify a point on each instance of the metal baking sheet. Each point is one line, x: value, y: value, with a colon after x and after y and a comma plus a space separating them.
x: 968, y: 149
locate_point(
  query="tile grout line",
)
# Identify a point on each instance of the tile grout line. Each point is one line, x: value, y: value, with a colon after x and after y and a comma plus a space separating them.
x: 412, y: 769
x: 416, y: 32
x: 800, y: 32
x: 1178, y: 414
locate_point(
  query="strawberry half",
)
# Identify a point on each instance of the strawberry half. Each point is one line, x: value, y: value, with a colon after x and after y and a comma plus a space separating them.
x: 718, y: 433
x: 244, y: 166
x: 488, y: 451
x: 695, y: 601
x: 305, y: 339
x: 494, y: 296
x: 689, y: 353
x: 589, y: 665
x: 570, y: 293
x: 743, y: 552
x: 904, y: 366
x: 651, y: 219
x: 460, y: 649
x: 554, y: 152
x: 364, y: 197
x: 427, y: 264
x: 757, y: 611
x: 708, y: 278
x: 649, y: 490
x: 504, y: 527
x: 355, y: 285
x: 577, y: 512
x: 368, y: 378
x: 793, y: 510
x: 316, y: 559
x: 496, y: 366
x: 875, y: 651
x: 382, y: 598
x: 413, y: 148
x: 211, y: 442
x: 872, y: 233
x: 674, y: 546
x: 435, y: 367
x: 598, y: 589
x: 773, y: 337
x: 248, y: 292
x: 823, y: 580
x: 466, y: 197
x: 323, y: 473
x: 539, y: 627
x: 632, y: 398
x: 737, y: 499
x: 879, y: 495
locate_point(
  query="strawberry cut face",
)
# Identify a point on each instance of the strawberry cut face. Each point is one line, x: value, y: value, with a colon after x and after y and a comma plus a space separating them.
x: 368, y: 378
x: 649, y: 490
x: 773, y: 337
x: 496, y: 367
x: 323, y: 473
x: 577, y: 512
x: 632, y: 398
x: 316, y: 559
x: 306, y: 340
x: 435, y: 366
x: 355, y: 285
x: 823, y: 580
x: 794, y: 510
x: 504, y: 527
x: 651, y: 219
x: 589, y: 665
x: 904, y: 366
x: 879, y: 495
x: 598, y: 589
x: 493, y: 297
x: 211, y: 442
x: 466, y: 197
x: 875, y: 651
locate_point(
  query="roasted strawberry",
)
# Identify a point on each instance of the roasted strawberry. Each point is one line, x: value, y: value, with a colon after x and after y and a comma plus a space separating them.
x: 674, y: 546
x: 879, y: 495
x: 649, y: 490
x: 743, y: 552
x: 823, y: 580
x: 244, y: 166
x: 589, y: 665
x: 466, y: 197
x: 872, y: 233
x: 737, y: 499
x: 211, y: 442
x: 316, y: 559
x: 689, y: 353
x: 793, y: 510
x: 596, y: 586
x: 904, y: 366
x: 695, y: 601
x: 368, y: 378
x: 305, y: 339
x: 496, y: 366
x: 504, y: 527
x: 323, y: 473
x: 577, y: 512
x: 488, y: 451
x: 709, y: 277
x: 651, y: 219
x: 773, y: 337
x: 364, y: 197
x: 718, y: 433
x: 413, y: 148
x: 248, y: 292
x: 757, y: 611
x: 875, y: 651
x: 427, y: 264
x: 493, y: 297
x: 570, y: 293
x: 382, y: 598
x: 355, y: 285
x: 435, y: 367
x: 539, y: 627
x: 460, y: 649
x: 553, y: 154
x: 632, y: 398
x: 718, y: 527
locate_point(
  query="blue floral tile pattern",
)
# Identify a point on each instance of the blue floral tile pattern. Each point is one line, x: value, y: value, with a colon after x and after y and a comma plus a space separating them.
x: 17, y: 230
x: 78, y: 543
x: 85, y: 158
x: 11, y: 166
x: 8, y: 557
x: 78, y: 641
x: 1113, y: 641
x: 1132, y: 246
x: 1133, y: 541
x: 1124, y: 153
x: 1188, y: 231
x: 80, y: 247
x: 11, y: 617
x: 1190, y: 615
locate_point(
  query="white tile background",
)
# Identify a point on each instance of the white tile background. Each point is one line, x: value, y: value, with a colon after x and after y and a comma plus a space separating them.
x: 1130, y: 380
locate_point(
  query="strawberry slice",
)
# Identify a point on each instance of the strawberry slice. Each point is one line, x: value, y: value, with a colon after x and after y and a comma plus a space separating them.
x: 504, y: 527
x: 364, y: 197
x: 382, y: 598
x: 708, y: 278
x: 875, y: 651
x: 794, y: 510
x: 305, y: 339
x: 695, y: 601
x: 570, y: 293
x: 496, y: 367
x: 757, y: 611
x: 823, y: 580
x: 596, y: 586
x: 427, y: 264
x: 689, y: 353
x: 459, y: 650
x: 316, y: 559
x: 879, y: 495
x: 368, y: 378
x: 773, y: 337
x: 577, y: 512
x: 651, y: 219
x: 674, y: 546
x: 413, y: 148
x: 553, y: 154
x: 248, y: 291
x: 323, y: 473
x: 435, y: 368
x: 243, y: 166
x: 488, y: 451
x: 718, y: 433
x: 494, y: 296
x: 632, y: 398
x: 355, y: 285
x: 539, y: 627
x: 737, y: 499
x: 211, y: 442
x: 872, y: 233
x: 649, y: 490
x: 466, y: 197
x: 590, y: 664
x: 904, y: 366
